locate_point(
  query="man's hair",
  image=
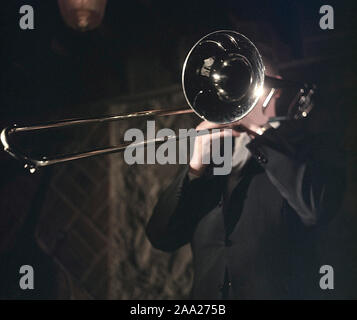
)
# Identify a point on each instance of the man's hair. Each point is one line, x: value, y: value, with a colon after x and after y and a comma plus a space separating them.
x: 268, y: 58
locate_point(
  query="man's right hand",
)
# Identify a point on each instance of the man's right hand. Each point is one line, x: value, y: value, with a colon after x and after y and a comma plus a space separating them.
x: 202, y: 147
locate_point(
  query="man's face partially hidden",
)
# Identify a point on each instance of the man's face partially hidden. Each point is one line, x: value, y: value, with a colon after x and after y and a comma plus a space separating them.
x: 259, y: 115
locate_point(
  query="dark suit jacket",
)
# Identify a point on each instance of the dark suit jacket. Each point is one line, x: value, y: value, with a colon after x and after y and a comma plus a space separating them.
x: 259, y: 242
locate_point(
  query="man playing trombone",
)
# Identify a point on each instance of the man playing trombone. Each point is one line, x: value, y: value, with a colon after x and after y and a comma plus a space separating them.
x: 252, y: 232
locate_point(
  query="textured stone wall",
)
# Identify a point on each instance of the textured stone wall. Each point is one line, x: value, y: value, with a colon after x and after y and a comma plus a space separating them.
x: 93, y: 221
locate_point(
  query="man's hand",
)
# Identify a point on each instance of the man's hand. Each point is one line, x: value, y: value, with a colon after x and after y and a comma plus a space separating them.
x: 203, y: 143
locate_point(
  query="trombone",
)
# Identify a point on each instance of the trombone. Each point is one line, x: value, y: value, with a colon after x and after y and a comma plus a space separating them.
x: 222, y: 81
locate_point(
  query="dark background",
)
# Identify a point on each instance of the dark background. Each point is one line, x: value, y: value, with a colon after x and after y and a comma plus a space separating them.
x: 81, y: 225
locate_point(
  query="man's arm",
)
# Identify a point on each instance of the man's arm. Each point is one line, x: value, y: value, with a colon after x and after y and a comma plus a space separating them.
x: 311, y: 176
x: 187, y: 199
x: 180, y: 208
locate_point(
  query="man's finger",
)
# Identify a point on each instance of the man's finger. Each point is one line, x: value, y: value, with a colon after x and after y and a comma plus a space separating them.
x: 210, y: 125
